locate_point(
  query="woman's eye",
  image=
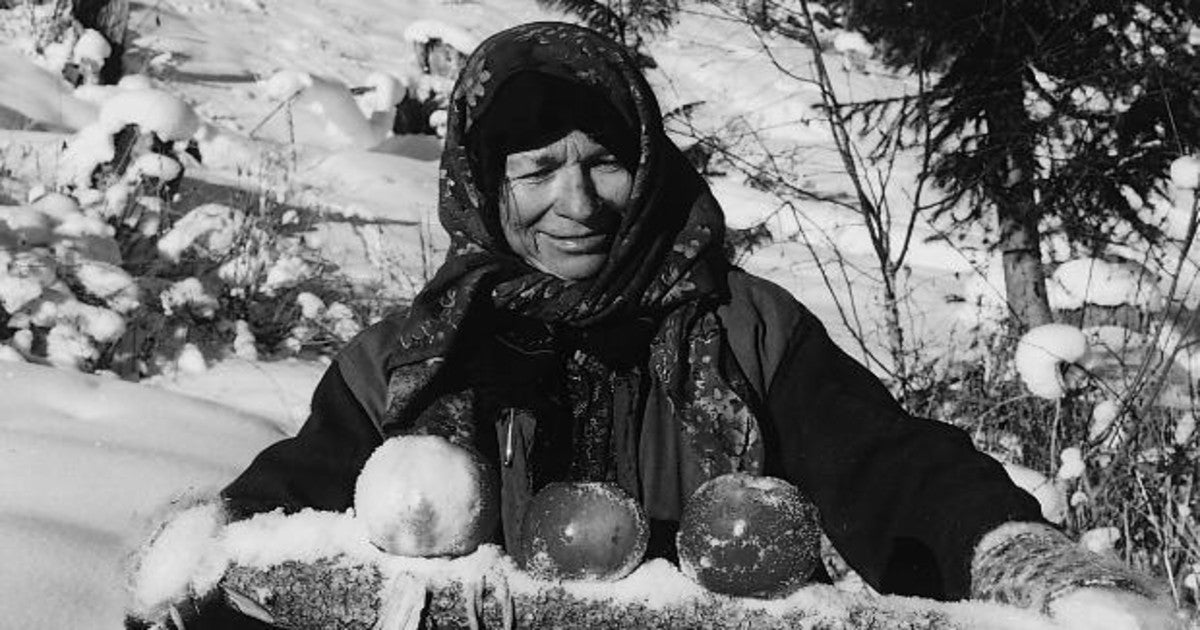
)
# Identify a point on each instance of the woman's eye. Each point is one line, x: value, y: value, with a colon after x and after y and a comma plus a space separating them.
x: 607, y: 163
x: 536, y: 175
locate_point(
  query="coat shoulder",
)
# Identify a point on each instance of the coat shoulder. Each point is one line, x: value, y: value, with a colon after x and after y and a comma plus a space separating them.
x: 760, y: 319
x: 362, y: 363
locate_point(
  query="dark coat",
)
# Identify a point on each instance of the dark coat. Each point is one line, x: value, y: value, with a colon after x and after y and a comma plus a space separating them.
x: 903, y: 499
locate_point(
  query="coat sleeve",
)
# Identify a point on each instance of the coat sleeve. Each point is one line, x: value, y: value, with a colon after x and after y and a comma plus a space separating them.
x: 903, y: 499
x: 319, y: 466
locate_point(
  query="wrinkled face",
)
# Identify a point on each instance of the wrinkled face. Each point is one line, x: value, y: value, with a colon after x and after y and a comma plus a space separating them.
x: 563, y: 204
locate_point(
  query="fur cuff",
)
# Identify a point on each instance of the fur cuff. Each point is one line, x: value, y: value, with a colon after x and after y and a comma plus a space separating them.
x: 174, y: 564
x: 1031, y: 564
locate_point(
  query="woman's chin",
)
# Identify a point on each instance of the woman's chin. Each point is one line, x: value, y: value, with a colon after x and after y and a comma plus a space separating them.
x: 573, y: 267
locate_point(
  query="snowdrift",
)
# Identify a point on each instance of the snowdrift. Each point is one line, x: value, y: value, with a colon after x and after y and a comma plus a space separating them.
x: 86, y: 460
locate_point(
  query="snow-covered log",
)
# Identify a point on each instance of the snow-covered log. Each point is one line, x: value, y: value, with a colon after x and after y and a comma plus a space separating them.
x: 331, y: 594
x: 313, y: 570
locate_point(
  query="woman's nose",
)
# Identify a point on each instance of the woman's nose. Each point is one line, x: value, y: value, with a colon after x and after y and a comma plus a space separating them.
x: 576, y: 194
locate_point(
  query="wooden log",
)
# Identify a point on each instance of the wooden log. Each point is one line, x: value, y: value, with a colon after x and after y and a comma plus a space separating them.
x: 332, y: 594
x: 349, y: 585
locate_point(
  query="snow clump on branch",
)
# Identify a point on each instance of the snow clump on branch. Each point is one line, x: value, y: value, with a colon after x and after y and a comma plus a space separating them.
x: 1103, y: 283
x: 423, y: 31
x: 1043, y: 352
x: 1185, y: 172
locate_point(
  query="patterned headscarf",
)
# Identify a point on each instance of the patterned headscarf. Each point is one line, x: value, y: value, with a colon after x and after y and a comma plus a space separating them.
x: 666, y: 269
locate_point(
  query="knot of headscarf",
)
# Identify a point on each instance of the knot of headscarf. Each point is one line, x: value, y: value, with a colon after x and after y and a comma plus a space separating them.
x: 666, y: 267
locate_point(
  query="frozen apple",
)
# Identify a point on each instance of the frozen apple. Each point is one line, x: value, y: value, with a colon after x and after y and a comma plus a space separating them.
x: 421, y: 495
x: 583, y: 531
x: 749, y: 536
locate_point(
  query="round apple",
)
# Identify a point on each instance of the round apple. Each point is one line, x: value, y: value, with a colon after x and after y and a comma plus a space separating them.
x: 422, y: 495
x: 749, y: 536
x: 583, y: 531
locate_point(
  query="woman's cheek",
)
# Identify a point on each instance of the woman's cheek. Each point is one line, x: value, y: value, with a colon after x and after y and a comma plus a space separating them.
x: 614, y: 188
x: 519, y: 214
x: 528, y: 202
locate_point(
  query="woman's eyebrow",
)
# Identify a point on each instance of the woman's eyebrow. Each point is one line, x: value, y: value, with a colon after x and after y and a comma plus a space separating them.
x: 542, y: 159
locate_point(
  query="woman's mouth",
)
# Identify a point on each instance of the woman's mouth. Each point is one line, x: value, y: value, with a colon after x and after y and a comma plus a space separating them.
x: 581, y: 244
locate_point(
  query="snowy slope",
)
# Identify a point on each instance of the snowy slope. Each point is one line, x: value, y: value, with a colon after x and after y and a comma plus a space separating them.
x: 85, y: 461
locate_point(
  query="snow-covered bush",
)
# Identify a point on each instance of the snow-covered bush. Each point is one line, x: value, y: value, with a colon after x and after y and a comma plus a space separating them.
x: 118, y: 272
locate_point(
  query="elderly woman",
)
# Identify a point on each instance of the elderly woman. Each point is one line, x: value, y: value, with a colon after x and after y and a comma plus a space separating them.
x: 586, y: 325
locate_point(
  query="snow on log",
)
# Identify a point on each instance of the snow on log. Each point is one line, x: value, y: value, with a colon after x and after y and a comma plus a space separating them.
x: 330, y: 594
x: 312, y: 570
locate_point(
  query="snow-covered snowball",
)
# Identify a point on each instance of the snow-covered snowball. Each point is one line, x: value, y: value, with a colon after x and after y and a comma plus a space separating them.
x: 213, y: 226
x: 1185, y: 427
x: 154, y: 165
x: 1040, y: 353
x: 1050, y: 497
x: 190, y: 360
x: 421, y: 495
x: 22, y: 340
x: 8, y: 354
x: 189, y: 293
x: 1102, y: 540
x: 311, y: 306
x: 286, y: 272
x: 422, y: 31
x: 1185, y: 172
x: 286, y: 84
x: 167, y: 115
x: 1072, y: 465
x: 244, y: 342
x: 1094, y: 281
x: 345, y: 326
x: 135, y: 82
x: 1078, y: 498
x: 110, y: 283
x: 852, y: 42
x: 91, y: 47
x: 1103, y: 415
x: 67, y: 347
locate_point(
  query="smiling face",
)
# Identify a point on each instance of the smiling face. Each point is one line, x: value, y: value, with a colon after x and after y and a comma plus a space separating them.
x: 562, y: 204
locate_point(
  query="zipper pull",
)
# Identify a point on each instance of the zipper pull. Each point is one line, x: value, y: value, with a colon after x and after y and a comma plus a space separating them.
x: 508, y: 440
